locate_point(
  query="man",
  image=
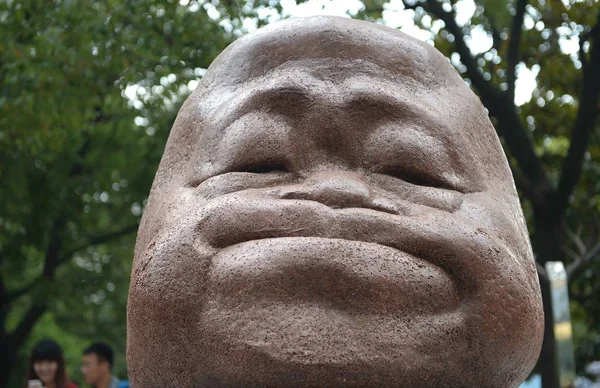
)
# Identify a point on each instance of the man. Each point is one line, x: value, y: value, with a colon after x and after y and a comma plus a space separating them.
x: 333, y: 208
x: 96, y: 367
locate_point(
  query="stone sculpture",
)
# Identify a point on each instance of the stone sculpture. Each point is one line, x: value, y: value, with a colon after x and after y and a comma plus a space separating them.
x: 333, y: 208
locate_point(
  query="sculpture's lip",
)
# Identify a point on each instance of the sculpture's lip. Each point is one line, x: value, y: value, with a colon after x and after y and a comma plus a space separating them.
x: 456, y: 245
x: 311, y: 219
x: 341, y: 274
x: 315, y: 238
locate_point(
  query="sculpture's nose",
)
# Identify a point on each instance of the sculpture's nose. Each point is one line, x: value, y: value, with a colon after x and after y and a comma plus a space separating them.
x: 339, y: 189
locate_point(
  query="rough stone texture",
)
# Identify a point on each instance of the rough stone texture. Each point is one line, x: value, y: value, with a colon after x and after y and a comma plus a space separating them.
x: 333, y: 208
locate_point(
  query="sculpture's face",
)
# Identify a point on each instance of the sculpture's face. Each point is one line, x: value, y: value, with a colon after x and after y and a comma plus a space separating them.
x: 333, y: 208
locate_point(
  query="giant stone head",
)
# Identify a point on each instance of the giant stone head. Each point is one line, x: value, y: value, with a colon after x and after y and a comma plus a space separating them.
x: 333, y: 208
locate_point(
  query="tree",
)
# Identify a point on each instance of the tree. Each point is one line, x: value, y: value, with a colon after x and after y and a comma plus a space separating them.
x: 552, y: 140
x: 77, y: 158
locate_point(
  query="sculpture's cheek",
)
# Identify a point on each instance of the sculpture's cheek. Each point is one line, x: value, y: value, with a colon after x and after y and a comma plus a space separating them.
x: 169, y: 272
x: 501, y: 219
x: 499, y: 214
x: 164, y: 302
x: 505, y: 314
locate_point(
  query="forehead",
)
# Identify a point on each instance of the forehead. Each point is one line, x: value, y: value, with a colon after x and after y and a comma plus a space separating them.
x: 47, y: 361
x: 326, y: 82
x: 91, y: 357
x: 328, y: 62
x: 357, y: 94
x: 343, y: 40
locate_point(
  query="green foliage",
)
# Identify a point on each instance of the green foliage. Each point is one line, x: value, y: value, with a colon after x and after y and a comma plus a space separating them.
x: 77, y: 157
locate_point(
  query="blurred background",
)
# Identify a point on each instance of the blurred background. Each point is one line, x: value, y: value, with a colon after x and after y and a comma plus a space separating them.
x: 89, y: 91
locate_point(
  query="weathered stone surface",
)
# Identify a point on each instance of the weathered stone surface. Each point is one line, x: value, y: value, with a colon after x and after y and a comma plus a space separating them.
x: 333, y: 208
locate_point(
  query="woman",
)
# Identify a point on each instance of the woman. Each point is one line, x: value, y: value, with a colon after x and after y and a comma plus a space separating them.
x: 47, y: 365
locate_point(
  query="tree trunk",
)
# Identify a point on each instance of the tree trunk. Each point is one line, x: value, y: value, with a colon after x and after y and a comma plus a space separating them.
x: 548, y: 355
x: 6, y: 363
x: 6, y: 356
x: 547, y: 244
x: 10, y: 343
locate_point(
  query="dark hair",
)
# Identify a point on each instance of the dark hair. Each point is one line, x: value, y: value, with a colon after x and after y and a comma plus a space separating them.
x: 102, y: 350
x: 48, y: 350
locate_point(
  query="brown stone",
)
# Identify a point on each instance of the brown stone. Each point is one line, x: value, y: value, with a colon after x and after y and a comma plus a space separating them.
x: 333, y: 208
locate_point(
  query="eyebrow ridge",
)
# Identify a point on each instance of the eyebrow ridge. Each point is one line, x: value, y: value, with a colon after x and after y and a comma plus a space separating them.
x: 274, y: 99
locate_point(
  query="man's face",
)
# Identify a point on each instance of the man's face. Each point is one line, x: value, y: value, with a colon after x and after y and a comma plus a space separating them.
x: 93, y: 369
x: 335, y: 222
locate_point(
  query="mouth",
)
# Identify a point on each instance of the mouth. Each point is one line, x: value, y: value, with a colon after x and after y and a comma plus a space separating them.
x: 339, y: 274
x: 295, y: 247
x: 228, y: 222
x: 302, y: 252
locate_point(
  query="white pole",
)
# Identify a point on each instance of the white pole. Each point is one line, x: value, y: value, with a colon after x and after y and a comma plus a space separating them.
x: 563, y: 332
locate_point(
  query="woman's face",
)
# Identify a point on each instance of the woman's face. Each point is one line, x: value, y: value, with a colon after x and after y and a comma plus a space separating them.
x: 46, y: 370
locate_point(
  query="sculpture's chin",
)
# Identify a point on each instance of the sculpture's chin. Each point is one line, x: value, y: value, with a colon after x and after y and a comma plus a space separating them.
x: 263, y: 371
x: 320, y: 343
x: 375, y: 300
x: 323, y: 353
x: 252, y: 315
x: 320, y: 347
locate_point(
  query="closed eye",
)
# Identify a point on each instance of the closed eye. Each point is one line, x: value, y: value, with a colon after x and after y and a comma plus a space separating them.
x: 418, y: 178
x: 263, y: 168
x: 278, y: 170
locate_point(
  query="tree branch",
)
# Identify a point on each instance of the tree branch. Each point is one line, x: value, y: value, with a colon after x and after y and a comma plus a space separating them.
x: 541, y: 272
x: 52, y: 262
x: 101, y: 239
x: 19, y: 335
x: 514, y: 46
x: 496, y: 37
x: 576, y: 238
x: 57, y: 262
x: 592, y: 230
x: 501, y: 105
x: 529, y: 190
x: 10, y: 296
x: 53, y: 250
x: 585, y: 122
x: 581, y: 54
x: 448, y: 17
x: 576, y: 267
x: 570, y: 253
